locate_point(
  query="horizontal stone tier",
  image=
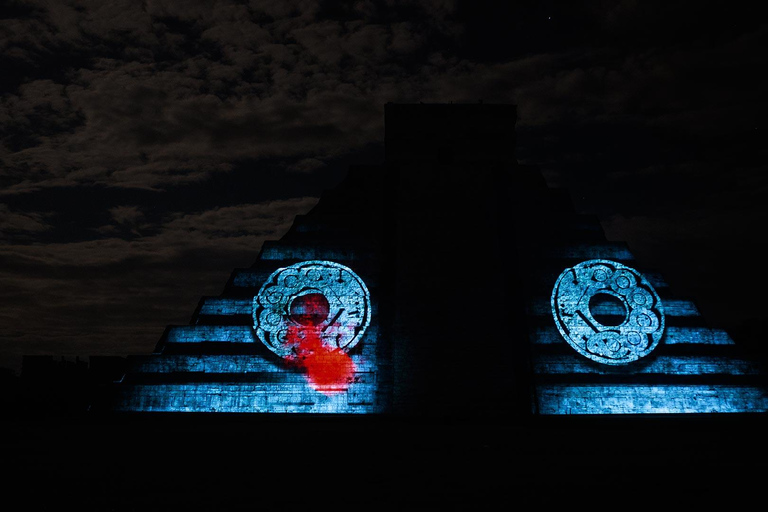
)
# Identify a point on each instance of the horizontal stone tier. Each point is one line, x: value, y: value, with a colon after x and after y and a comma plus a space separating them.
x: 252, y: 279
x: 209, y: 333
x: 240, y: 320
x: 224, y: 335
x: 224, y: 306
x: 223, y: 364
x: 662, y: 364
x: 672, y: 335
x: 538, y: 335
x: 277, y: 379
x: 237, y: 311
x: 584, y: 399
x: 245, y: 398
x: 547, y: 272
x: 672, y: 307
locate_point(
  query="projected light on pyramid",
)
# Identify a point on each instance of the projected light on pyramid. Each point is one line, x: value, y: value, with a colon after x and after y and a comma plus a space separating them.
x: 449, y: 280
x: 576, y: 298
x: 311, y: 314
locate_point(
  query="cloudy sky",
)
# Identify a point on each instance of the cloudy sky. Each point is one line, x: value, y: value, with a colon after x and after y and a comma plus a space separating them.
x: 148, y: 148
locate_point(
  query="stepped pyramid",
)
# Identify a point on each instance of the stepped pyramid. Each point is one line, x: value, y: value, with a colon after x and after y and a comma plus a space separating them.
x: 685, y: 365
x: 447, y: 281
x: 218, y: 363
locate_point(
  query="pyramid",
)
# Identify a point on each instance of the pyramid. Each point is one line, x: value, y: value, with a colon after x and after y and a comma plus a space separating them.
x: 670, y: 362
x: 448, y: 281
x: 218, y: 363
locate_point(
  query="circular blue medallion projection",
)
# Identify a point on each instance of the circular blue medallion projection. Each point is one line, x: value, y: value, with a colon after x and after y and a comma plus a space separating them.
x: 607, y: 311
x: 322, y: 296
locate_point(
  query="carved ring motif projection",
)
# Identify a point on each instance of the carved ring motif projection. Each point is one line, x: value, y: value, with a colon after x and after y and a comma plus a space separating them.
x: 626, y: 295
x: 323, y: 299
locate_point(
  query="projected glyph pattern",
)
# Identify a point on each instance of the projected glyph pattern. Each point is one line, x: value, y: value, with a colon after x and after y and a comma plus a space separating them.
x: 311, y: 314
x: 323, y: 296
x: 619, y: 291
x: 299, y: 332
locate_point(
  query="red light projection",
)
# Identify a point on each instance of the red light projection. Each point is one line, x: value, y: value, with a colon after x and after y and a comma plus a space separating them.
x: 328, y: 370
x: 310, y: 309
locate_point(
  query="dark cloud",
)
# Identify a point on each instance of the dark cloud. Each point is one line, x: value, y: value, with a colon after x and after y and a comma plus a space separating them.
x: 306, y: 165
x: 148, y: 148
x: 111, y: 294
x: 197, y: 89
x: 126, y: 214
x: 15, y: 223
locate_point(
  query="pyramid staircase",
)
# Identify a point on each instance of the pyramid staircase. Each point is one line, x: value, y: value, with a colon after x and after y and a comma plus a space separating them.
x: 414, y: 348
x: 217, y: 363
x: 694, y: 369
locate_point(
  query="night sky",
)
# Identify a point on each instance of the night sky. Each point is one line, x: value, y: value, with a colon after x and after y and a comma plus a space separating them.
x: 149, y: 148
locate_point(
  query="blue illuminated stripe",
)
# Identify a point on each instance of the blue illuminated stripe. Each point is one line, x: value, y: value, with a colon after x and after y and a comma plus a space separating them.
x: 247, y: 278
x: 672, y: 307
x: 224, y: 364
x: 244, y: 334
x: 215, y: 363
x: 209, y: 333
x: 246, y: 398
x: 662, y: 364
x: 226, y: 306
x: 255, y: 278
x: 645, y: 399
x: 696, y: 335
x: 546, y: 279
x: 672, y: 335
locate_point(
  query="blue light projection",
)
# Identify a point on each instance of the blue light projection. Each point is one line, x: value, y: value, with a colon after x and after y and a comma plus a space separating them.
x: 650, y: 399
x: 618, y: 290
x: 319, y: 293
x: 311, y: 314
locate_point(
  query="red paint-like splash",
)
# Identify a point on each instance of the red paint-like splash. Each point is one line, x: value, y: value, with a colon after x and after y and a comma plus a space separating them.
x: 328, y: 370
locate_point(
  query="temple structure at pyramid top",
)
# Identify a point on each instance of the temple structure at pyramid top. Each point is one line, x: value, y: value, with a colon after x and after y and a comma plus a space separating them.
x: 452, y: 281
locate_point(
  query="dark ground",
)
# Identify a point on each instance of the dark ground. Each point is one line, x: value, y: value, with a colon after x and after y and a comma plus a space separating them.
x: 183, y: 462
